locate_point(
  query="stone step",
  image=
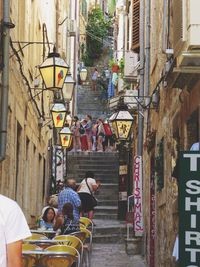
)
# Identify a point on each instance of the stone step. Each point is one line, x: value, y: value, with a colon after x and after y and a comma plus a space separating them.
x: 110, y: 196
x: 96, y: 171
x: 79, y: 178
x: 106, y: 192
x: 105, y: 216
x: 98, y: 230
x: 105, y: 178
x: 97, y: 165
x: 106, y: 209
x: 93, y: 154
x: 114, y: 238
x: 99, y: 158
x: 107, y: 202
x: 105, y: 186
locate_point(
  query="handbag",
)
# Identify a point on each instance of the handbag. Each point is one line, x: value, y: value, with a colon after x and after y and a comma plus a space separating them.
x: 94, y: 201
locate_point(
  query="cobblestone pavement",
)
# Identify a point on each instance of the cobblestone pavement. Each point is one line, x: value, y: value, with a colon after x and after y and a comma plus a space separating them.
x: 114, y: 255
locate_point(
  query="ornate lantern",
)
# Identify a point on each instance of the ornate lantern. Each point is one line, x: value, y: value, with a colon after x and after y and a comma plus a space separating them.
x: 66, y: 137
x: 83, y: 74
x: 68, y: 87
x: 121, y: 123
x: 58, y: 113
x: 53, y: 71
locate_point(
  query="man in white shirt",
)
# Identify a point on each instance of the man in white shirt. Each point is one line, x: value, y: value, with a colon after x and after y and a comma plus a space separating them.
x: 13, y: 228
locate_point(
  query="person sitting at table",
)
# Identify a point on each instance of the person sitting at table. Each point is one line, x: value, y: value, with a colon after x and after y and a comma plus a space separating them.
x: 48, y: 218
x: 52, y: 202
x: 66, y: 222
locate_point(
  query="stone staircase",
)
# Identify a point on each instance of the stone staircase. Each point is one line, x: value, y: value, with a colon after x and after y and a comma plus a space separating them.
x: 108, y: 229
x: 105, y: 166
x: 89, y: 102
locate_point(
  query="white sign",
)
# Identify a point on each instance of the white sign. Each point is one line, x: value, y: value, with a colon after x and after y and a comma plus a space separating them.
x: 123, y: 169
x: 189, y: 209
x: 138, y: 207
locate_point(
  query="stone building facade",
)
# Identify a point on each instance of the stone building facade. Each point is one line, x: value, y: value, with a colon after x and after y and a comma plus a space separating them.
x: 169, y: 126
x: 24, y: 174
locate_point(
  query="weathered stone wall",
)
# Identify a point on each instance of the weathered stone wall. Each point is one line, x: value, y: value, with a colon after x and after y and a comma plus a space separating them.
x: 175, y: 109
x: 25, y: 172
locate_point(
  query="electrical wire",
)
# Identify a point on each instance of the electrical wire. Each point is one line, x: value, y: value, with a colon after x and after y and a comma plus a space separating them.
x: 97, y: 38
x: 25, y: 78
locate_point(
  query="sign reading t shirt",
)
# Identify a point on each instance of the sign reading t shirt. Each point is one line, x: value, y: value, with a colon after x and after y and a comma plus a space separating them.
x: 189, y: 207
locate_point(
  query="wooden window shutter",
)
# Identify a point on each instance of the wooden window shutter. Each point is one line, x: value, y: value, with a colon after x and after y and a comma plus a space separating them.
x: 136, y: 25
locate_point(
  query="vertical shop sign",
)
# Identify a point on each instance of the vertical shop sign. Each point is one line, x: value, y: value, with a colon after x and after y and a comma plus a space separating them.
x: 58, y: 164
x: 189, y: 209
x: 123, y: 171
x: 138, y: 207
x: 152, y: 214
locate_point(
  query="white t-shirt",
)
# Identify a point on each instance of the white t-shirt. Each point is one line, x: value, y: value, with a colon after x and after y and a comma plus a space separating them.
x: 84, y: 188
x: 13, y: 226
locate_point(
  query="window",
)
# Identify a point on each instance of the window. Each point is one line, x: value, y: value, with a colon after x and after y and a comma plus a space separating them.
x: 135, y: 25
x: 193, y: 129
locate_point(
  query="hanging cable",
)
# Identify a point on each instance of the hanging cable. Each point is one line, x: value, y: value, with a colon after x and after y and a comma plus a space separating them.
x: 25, y: 78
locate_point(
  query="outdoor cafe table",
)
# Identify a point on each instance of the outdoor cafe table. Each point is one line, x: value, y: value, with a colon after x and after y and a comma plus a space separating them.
x: 48, y: 233
x: 44, y: 241
x: 41, y: 252
x: 41, y: 231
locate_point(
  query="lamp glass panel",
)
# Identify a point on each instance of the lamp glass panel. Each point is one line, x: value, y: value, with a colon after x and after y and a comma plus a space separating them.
x: 69, y: 120
x: 68, y: 89
x: 123, y: 128
x: 47, y: 74
x: 66, y: 140
x: 58, y: 118
x: 124, y: 115
x: 60, y: 75
x: 83, y: 75
x: 114, y: 128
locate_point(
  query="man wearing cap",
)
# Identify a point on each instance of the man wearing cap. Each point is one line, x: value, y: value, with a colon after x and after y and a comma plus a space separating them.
x: 68, y: 195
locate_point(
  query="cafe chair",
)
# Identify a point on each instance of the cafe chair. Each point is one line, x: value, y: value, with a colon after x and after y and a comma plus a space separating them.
x: 88, y: 235
x: 29, y: 260
x: 57, y: 259
x: 70, y: 240
x: 28, y: 246
x: 36, y: 236
x: 80, y: 235
x: 87, y: 222
x: 84, y: 234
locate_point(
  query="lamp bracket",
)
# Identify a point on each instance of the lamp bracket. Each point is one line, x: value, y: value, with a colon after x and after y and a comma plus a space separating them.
x: 9, y: 25
x: 27, y: 43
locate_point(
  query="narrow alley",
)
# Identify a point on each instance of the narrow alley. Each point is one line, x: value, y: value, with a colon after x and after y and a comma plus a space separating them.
x: 99, y: 133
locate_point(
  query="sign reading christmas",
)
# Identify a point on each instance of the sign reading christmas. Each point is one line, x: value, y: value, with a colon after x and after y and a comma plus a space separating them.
x: 189, y: 209
x: 138, y: 209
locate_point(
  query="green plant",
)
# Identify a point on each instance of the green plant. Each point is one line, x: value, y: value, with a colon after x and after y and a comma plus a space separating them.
x: 111, y: 62
x: 121, y: 67
x: 97, y: 30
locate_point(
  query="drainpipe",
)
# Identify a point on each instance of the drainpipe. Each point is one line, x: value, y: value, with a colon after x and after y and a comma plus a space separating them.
x: 6, y: 24
x: 141, y: 86
x: 147, y: 48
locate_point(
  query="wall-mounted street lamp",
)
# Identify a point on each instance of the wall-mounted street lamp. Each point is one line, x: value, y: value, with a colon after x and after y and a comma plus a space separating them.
x: 68, y: 87
x: 58, y: 113
x: 69, y: 120
x: 65, y: 137
x: 121, y: 122
x: 83, y: 74
x: 54, y: 71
